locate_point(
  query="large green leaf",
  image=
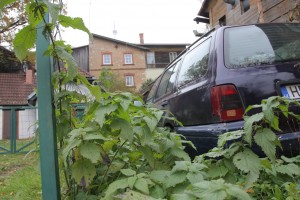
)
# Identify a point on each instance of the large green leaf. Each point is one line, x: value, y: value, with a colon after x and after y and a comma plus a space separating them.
x: 247, y: 161
x: 141, y: 185
x: 75, y: 23
x: 114, y: 187
x: 53, y: 9
x: 181, y: 166
x: 90, y: 151
x: 182, y: 197
x: 4, y: 3
x: 289, y: 169
x: 218, y: 190
x: 265, y: 138
x: 175, y: 178
x: 24, y: 40
x: 72, y: 144
x: 249, y: 121
x: 103, y: 111
x: 237, y: 192
x: 132, y: 195
x: 125, y: 127
x: 83, y: 168
x: 159, y: 176
x: 234, y: 135
x: 128, y: 172
x: 195, y: 177
x: 151, y: 122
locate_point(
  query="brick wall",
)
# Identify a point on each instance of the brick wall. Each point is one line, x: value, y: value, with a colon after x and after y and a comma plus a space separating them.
x: 98, y: 46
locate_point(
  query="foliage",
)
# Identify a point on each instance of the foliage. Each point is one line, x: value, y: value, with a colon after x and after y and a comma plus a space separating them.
x: 111, y: 82
x: 145, y: 85
x: 117, y: 151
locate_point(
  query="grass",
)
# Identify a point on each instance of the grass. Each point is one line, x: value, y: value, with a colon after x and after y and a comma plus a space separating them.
x: 20, y: 177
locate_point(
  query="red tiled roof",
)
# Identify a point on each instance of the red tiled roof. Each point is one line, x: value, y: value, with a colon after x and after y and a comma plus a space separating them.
x: 14, y: 90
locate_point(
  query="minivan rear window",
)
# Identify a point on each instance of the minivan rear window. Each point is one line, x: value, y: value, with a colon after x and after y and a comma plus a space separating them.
x: 262, y: 44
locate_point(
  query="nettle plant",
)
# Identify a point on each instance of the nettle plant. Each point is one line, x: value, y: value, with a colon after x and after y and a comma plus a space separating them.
x: 117, y: 151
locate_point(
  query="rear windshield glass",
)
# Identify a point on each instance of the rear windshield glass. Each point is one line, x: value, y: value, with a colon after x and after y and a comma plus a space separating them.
x: 254, y: 45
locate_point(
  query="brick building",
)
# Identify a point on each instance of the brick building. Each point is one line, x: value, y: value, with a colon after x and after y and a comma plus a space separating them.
x: 237, y: 12
x: 133, y: 63
x: 126, y: 60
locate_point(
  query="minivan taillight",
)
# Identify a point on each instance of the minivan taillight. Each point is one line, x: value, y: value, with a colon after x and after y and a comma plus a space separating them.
x: 226, y: 103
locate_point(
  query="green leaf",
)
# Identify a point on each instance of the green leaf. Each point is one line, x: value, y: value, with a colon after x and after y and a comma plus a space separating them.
x: 216, y: 171
x: 115, y: 186
x: 131, y: 181
x: 182, y: 197
x: 125, y: 127
x: 53, y: 9
x: 128, y: 172
x: 212, y: 190
x: 237, y: 192
x: 223, y: 138
x: 91, y: 136
x: 247, y: 161
x: 157, y: 192
x: 66, y: 56
x: 180, y: 153
x: 132, y: 195
x: 90, y: 151
x: 75, y: 23
x: 195, y: 177
x: 83, y: 168
x: 180, y: 166
x: 72, y: 144
x: 4, y: 3
x: 103, y: 111
x: 142, y: 185
x: 159, y: 176
x: 24, y: 40
x: 151, y: 122
x: 249, y: 124
x: 265, y: 138
x: 175, y: 178
x: 289, y: 169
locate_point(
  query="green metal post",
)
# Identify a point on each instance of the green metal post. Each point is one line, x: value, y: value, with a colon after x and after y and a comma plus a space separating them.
x: 14, y: 129
x: 47, y: 134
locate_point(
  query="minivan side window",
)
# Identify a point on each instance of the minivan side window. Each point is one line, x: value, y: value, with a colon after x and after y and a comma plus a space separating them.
x: 167, y: 81
x: 195, y: 63
x: 152, y: 90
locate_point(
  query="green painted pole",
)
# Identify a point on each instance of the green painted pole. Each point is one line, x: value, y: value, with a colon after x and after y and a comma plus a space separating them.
x: 46, y: 115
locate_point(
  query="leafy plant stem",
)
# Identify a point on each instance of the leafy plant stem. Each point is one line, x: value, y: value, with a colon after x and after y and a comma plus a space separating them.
x: 116, y: 153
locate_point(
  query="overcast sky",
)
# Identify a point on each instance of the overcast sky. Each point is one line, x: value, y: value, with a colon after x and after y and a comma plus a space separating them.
x: 161, y: 21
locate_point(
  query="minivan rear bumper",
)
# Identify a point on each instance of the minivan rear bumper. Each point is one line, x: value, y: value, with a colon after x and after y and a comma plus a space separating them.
x: 205, y: 137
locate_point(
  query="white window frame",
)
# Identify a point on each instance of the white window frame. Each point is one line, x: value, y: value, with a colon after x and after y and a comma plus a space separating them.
x: 150, y: 58
x: 107, y: 59
x: 129, y: 80
x: 128, y: 59
x: 172, y: 56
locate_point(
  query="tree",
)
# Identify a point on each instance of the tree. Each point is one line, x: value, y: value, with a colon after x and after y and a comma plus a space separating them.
x: 13, y: 17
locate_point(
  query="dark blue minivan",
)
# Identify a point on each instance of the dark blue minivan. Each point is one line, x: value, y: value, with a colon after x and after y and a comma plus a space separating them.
x: 209, y: 85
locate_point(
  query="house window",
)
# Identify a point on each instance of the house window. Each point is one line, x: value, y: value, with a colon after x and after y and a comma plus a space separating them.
x: 244, y: 5
x: 150, y: 58
x: 106, y: 59
x: 172, y: 56
x: 128, y: 59
x: 129, y: 80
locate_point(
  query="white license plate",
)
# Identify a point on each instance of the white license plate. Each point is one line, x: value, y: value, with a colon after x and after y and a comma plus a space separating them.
x: 291, y: 91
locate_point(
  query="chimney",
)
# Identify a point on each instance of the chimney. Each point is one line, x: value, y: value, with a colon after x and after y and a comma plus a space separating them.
x: 141, y: 38
x: 29, y: 76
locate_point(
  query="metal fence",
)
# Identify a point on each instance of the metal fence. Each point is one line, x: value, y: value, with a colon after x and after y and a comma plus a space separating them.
x: 18, y: 127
